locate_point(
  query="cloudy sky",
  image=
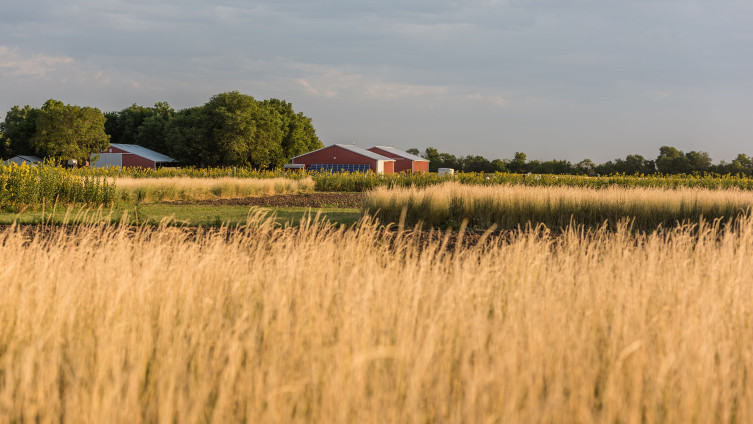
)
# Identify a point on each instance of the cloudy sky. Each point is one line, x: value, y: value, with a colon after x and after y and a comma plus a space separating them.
x: 567, y: 79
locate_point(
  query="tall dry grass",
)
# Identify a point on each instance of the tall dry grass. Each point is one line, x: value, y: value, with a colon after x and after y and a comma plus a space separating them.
x: 508, y: 207
x: 262, y: 324
x: 187, y: 188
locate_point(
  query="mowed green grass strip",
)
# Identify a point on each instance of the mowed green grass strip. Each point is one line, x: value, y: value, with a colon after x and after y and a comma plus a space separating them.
x: 180, y: 215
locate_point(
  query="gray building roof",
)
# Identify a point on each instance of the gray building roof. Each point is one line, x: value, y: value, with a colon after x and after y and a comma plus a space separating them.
x: 143, y: 152
x: 401, y: 153
x: 355, y: 149
x: 24, y: 158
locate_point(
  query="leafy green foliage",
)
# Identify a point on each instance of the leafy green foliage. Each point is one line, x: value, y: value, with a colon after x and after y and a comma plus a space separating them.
x: 230, y: 129
x: 144, y: 126
x: 17, y: 130
x: 299, y: 136
x: 234, y: 129
x: 670, y: 161
x: 69, y: 132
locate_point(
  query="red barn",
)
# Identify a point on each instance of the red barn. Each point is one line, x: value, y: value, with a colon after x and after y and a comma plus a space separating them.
x: 345, y: 157
x: 404, y: 161
x: 132, y: 156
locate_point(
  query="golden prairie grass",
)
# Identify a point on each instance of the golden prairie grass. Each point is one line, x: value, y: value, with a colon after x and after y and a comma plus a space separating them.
x: 187, y: 188
x: 508, y: 207
x: 323, y: 324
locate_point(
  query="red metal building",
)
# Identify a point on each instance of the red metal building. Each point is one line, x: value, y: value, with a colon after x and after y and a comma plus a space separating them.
x: 132, y: 156
x: 345, y: 157
x: 404, y: 161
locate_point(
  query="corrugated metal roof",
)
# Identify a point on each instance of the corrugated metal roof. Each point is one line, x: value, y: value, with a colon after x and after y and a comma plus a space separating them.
x: 143, y: 152
x: 30, y: 158
x: 24, y: 158
x: 353, y: 148
x: 361, y: 151
x: 401, y: 153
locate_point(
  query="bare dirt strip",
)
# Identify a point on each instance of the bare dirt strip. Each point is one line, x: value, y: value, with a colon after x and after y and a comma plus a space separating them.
x: 448, y: 240
x: 304, y: 200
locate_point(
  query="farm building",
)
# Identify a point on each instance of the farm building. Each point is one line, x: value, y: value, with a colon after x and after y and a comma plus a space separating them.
x: 131, y: 156
x: 345, y: 157
x: 21, y: 159
x: 404, y: 161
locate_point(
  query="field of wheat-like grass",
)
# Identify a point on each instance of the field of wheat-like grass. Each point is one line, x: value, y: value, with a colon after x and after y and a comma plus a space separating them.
x: 321, y: 324
x: 510, y: 206
x: 189, y: 189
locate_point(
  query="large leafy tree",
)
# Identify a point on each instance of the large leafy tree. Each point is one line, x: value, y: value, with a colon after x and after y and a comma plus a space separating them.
x: 123, y: 126
x: 742, y: 164
x: 698, y: 161
x: 550, y: 167
x: 672, y: 161
x: 152, y: 133
x: 230, y: 129
x: 518, y: 164
x: 586, y: 167
x: 299, y: 135
x: 69, y: 132
x: 433, y: 156
x: 475, y: 163
x: 17, y: 130
x: 145, y: 126
x: 243, y: 131
x: 186, y: 137
x: 413, y: 151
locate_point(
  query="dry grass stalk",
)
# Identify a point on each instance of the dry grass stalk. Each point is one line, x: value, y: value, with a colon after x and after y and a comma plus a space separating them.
x: 508, y: 207
x: 263, y: 324
x: 186, y: 188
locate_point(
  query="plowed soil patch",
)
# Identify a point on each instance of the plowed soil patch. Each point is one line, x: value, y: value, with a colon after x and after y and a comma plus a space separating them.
x: 305, y: 200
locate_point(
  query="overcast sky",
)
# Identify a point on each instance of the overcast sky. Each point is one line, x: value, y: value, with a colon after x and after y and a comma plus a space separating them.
x: 565, y: 79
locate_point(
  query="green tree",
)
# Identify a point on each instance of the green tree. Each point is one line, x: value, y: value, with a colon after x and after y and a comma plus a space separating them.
x: 560, y: 167
x: 742, y: 164
x: 299, y: 135
x: 413, y: 151
x: 498, y: 165
x: 698, y: 161
x: 69, y: 132
x: 672, y: 161
x: 449, y: 160
x: 17, y: 130
x: 231, y: 129
x: 432, y: 155
x: 152, y: 133
x: 640, y: 165
x: 144, y: 126
x: 186, y: 137
x: 123, y: 126
x: 477, y: 164
x: 586, y: 167
x: 518, y: 164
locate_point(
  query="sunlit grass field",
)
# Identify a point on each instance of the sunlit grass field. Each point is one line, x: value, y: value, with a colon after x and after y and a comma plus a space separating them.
x: 104, y: 323
x: 511, y: 206
x: 180, y: 215
x: 149, y: 190
x: 594, y: 304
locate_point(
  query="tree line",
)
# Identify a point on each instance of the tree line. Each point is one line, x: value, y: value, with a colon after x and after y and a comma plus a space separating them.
x: 231, y: 129
x: 669, y: 161
x: 234, y: 129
